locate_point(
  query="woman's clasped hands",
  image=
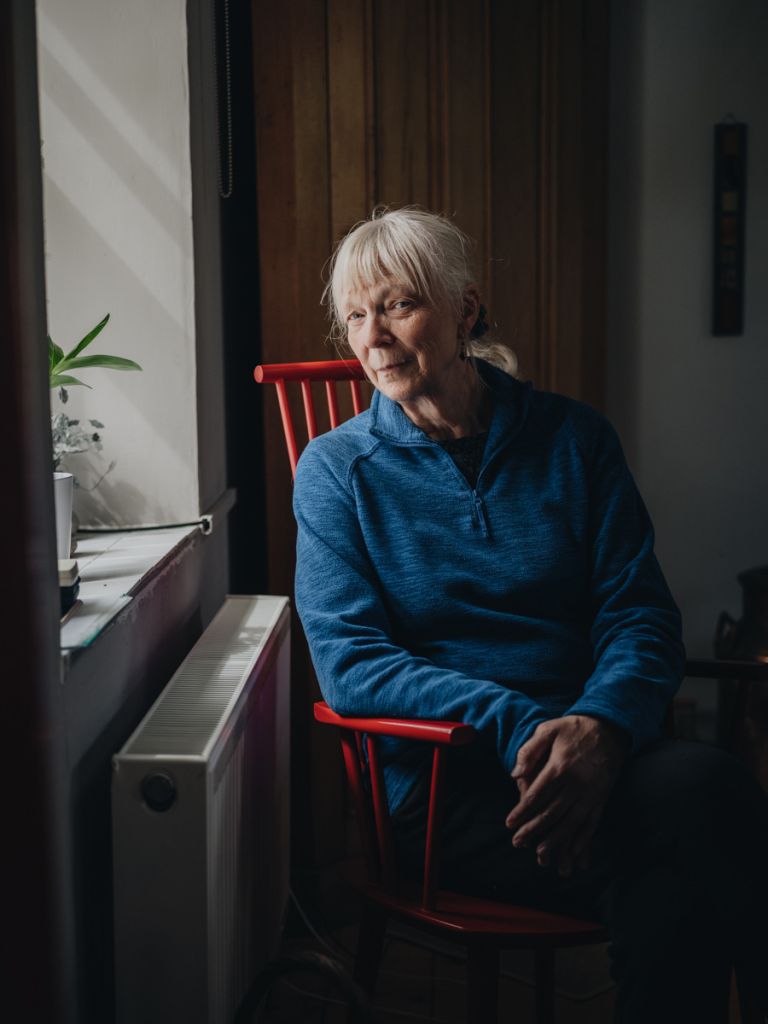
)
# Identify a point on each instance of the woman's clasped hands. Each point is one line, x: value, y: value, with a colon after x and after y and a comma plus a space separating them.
x: 565, y: 773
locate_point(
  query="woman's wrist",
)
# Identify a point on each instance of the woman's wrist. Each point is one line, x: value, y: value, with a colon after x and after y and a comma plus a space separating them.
x: 618, y: 735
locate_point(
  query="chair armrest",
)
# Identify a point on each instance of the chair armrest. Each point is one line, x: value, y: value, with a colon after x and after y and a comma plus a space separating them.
x: 451, y: 734
x: 719, y: 668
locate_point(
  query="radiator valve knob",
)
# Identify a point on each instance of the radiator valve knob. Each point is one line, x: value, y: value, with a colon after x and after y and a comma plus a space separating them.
x: 158, y: 791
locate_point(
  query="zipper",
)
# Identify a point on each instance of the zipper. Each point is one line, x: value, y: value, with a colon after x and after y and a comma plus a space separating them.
x: 481, y: 514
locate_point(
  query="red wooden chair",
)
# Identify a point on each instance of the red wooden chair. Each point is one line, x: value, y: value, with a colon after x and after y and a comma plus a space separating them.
x: 484, y: 927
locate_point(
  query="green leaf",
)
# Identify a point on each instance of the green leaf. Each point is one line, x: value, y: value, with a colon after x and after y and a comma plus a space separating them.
x: 58, y: 380
x: 55, y: 355
x: 54, y: 352
x: 110, y: 362
x: 84, y: 342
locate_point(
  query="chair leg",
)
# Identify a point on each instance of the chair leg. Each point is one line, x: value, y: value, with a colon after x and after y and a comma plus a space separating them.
x: 482, y: 983
x: 370, y: 944
x: 545, y: 986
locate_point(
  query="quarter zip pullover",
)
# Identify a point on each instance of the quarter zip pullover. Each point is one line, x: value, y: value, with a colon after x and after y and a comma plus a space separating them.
x: 532, y: 595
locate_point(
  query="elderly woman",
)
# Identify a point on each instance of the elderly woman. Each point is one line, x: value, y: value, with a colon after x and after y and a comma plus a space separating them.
x: 473, y: 549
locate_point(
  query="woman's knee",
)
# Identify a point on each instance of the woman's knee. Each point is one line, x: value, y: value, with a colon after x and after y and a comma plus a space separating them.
x: 687, y: 789
x: 674, y: 770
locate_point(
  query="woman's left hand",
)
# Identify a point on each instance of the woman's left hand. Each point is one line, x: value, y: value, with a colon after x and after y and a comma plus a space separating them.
x: 565, y: 773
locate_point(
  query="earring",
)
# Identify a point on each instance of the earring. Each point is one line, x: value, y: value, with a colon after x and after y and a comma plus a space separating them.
x: 462, y: 348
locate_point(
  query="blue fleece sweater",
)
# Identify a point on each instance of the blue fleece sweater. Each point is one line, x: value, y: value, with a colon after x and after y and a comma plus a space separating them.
x: 534, y: 595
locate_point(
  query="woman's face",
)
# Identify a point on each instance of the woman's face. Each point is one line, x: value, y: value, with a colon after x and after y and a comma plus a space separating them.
x: 408, y: 348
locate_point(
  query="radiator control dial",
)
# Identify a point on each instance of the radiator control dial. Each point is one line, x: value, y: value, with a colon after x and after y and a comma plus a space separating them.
x: 158, y: 791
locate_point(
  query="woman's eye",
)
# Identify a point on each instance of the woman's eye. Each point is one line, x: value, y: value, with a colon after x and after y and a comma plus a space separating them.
x: 354, y: 316
x: 403, y: 304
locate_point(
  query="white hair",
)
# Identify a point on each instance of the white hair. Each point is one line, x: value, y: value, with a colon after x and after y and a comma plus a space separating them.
x: 423, y: 251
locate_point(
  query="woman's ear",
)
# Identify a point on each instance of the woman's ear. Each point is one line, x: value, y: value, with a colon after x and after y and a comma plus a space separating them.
x: 470, y: 309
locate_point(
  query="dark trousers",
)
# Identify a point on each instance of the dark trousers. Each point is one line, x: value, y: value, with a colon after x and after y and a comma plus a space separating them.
x: 679, y: 873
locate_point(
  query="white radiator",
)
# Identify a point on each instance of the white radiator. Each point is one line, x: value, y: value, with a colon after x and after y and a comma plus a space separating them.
x: 200, y: 814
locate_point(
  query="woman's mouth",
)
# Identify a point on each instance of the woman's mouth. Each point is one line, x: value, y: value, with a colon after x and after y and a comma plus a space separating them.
x: 392, y: 366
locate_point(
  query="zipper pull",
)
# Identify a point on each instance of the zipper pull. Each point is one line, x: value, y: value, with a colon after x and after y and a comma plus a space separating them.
x: 482, y: 518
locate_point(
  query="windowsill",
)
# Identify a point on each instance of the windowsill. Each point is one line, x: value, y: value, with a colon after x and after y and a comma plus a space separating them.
x: 113, y: 569
x: 116, y: 567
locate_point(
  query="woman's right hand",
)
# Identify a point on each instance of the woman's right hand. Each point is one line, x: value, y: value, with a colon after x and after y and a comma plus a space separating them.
x: 565, y: 773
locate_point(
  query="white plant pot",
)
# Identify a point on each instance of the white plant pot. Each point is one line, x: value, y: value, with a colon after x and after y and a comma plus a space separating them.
x: 63, y: 486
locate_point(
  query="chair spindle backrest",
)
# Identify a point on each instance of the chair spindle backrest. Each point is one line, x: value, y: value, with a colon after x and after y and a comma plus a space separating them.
x: 370, y: 798
x: 305, y: 374
x: 376, y: 827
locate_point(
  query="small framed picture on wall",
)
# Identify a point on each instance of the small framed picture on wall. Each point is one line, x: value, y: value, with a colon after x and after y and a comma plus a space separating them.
x: 729, y: 227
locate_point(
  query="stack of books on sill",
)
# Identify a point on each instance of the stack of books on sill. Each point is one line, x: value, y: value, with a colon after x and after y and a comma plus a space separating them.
x: 69, y: 583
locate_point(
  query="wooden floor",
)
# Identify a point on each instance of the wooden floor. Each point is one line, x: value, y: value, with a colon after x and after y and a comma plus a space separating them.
x: 419, y: 985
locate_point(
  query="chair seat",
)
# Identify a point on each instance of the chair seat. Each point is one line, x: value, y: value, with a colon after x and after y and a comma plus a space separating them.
x: 469, y: 917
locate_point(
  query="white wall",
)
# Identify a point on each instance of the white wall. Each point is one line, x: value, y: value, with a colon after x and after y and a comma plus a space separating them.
x: 118, y: 226
x: 692, y: 409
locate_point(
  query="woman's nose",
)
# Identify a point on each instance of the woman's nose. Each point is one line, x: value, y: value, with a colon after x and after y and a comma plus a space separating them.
x: 377, y: 332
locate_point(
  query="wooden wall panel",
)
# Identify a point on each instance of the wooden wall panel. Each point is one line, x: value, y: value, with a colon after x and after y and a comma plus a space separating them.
x: 465, y: 125
x: 493, y: 111
x: 568, y: 172
x: 311, y: 163
x: 278, y: 238
x: 594, y: 121
x: 290, y: 87
x: 402, y: 70
x: 514, y: 159
x: 277, y: 232
x: 350, y: 112
x: 573, y: 182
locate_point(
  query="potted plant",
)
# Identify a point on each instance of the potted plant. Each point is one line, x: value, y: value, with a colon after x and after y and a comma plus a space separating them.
x: 70, y: 436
